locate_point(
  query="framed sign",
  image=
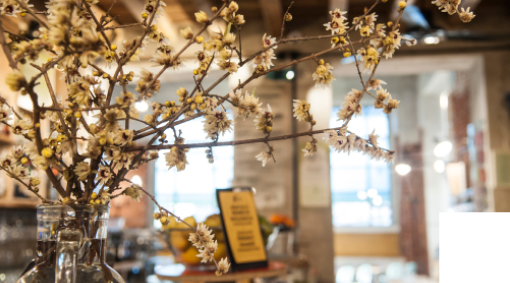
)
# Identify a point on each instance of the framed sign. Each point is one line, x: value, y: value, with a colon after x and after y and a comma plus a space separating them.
x: 242, y: 228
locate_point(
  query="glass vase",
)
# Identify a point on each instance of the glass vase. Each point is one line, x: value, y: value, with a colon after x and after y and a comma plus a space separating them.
x: 71, y: 246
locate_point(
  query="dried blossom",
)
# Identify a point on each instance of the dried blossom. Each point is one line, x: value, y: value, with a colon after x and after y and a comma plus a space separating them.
x: 323, y: 75
x: 134, y: 192
x: 187, y: 33
x: 373, y: 138
x: 246, y: 104
x: 201, y: 236
x: 392, y: 104
x: 223, y: 267
x: 217, y: 123
x: 370, y: 58
x: 302, y: 110
x: 365, y: 24
x: 20, y: 172
x: 20, y: 127
x: 375, y: 84
x: 266, y: 57
x: 201, y: 17
x: 126, y: 99
x: 177, y: 156
x: 465, y: 15
x: 391, y: 42
x: 338, y: 24
x: 103, y: 174
x: 310, y: 148
x: 15, y: 80
x: 264, y: 120
x: 82, y: 170
x: 351, y: 105
x: 206, y: 252
x: 264, y: 157
x: 104, y: 197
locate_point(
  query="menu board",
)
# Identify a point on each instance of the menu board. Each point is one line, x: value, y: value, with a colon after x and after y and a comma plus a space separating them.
x: 242, y: 228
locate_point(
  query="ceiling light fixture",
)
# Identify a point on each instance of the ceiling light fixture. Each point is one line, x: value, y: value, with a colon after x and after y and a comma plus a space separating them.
x: 289, y: 75
x: 443, y: 101
x: 403, y: 169
x: 439, y: 166
x: 443, y: 148
x: 141, y: 106
x: 137, y: 180
x: 430, y: 39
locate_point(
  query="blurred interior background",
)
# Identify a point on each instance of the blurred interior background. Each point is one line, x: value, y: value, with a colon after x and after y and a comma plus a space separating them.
x: 345, y: 218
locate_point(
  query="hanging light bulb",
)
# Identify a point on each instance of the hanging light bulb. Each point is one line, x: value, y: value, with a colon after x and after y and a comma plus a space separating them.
x: 137, y: 180
x: 403, y: 169
x: 439, y: 166
x: 443, y: 148
x: 443, y: 100
x: 289, y: 75
x: 141, y: 106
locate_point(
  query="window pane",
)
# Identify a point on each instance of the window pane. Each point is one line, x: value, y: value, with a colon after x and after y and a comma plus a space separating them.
x: 345, y: 180
x: 361, y: 187
x: 193, y: 191
x: 380, y: 179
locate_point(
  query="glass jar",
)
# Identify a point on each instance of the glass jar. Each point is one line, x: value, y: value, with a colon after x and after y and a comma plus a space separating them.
x: 71, y: 245
x: 43, y: 268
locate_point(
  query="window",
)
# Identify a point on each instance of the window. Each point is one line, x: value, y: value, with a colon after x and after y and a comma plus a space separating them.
x: 193, y: 191
x: 361, y: 187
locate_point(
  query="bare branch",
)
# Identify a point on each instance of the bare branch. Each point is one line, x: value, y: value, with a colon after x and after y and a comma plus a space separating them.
x: 240, y: 142
x: 6, y: 49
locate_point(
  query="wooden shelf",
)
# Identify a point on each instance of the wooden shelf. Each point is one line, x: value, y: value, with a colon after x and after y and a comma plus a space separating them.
x: 19, y: 203
x: 6, y: 140
x: 177, y: 272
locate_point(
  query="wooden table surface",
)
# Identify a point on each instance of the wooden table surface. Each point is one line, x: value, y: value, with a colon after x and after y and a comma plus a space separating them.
x: 177, y: 272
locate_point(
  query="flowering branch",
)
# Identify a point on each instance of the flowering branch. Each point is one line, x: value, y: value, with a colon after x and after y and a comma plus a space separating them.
x: 241, y: 142
x: 76, y: 38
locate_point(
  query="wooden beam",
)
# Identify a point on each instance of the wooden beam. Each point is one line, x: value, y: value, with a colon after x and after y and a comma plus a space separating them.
x: 177, y: 12
x: 130, y: 12
x: 469, y: 3
x: 343, y: 5
x: 164, y: 23
x: 190, y: 7
x: 119, y: 11
x: 272, y: 14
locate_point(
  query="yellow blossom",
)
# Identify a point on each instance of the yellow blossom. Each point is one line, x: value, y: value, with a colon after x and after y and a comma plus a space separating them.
x: 201, y: 17
x: 15, y: 80
x: 187, y: 33
x: 47, y: 152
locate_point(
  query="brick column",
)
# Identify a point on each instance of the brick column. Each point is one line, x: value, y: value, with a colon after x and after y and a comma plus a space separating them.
x: 413, y: 226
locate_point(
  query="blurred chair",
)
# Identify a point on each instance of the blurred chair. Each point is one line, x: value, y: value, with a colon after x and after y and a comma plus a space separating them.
x: 345, y: 274
x: 410, y: 268
x: 394, y: 271
x: 364, y: 273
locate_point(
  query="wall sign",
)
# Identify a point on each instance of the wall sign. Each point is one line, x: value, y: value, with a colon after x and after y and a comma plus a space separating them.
x: 314, y: 179
x: 242, y: 228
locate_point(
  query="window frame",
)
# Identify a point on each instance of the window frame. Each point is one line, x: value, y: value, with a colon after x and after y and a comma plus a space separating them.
x: 173, y: 195
x: 394, y: 228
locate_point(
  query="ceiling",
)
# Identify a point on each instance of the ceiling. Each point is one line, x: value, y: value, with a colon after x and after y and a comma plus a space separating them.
x: 492, y: 22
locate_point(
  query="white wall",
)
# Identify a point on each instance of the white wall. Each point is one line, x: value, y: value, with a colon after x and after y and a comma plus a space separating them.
x: 433, y: 122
